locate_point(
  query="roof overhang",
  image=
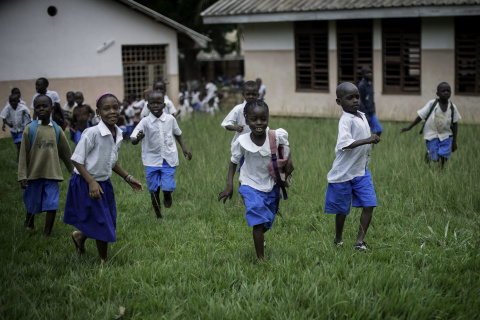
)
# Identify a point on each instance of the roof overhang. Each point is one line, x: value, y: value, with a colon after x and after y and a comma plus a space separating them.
x: 373, y: 13
x: 198, y: 38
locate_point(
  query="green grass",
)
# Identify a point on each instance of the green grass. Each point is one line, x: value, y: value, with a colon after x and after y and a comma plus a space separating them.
x: 199, y: 262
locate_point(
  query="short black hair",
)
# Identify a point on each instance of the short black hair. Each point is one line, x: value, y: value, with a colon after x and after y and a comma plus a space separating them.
x: 44, y: 80
x: 151, y: 94
x: 342, y: 87
x: 250, y: 84
x: 14, y: 96
x: 42, y: 95
x: 70, y: 92
x: 442, y: 84
x: 159, y: 81
x: 15, y: 91
x: 366, y: 68
x: 99, y: 101
x: 252, y: 104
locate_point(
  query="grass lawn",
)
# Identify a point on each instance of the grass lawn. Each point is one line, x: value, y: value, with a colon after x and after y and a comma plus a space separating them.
x: 199, y: 261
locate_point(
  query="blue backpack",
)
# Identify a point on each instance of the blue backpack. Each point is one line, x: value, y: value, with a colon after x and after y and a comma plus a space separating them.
x: 33, y: 131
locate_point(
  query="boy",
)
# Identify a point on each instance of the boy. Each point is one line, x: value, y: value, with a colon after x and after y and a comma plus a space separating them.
x: 41, y: 86
x: 68, y: 112
x: 262, y: 90
x: 440, y: 129
x: 82, y: 115
x: 161, y: 86
x: 349, y: 175
x: 13, y: 115
x: 39, y: 168
x: 367, y: 105
x: 159, y: 151
x: 17, y: 92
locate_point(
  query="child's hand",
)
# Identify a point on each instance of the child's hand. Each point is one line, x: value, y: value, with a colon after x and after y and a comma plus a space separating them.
x: 227, y: 193
x: 374, y: 139
x: 240, y: 128
x: 3, y: 127
x: 454, y: 145
x: 24, y: 184
x: 187, y: 154
x: 94, y: 190
x: 140, y: 135
x: 404, y: 129
x: 136, y: 185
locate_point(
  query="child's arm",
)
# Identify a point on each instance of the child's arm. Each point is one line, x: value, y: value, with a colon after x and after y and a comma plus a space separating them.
x: 138, y: 138
x: 454, y: 138
x: 5, y: 122
x: 238, y: 128
x: 228, y: 192
x: 65, y: 153
x: 413, y: 124
x: 373, y: 139
x: 186, y: 153
x: 94, y: 189
x: 134, y: 183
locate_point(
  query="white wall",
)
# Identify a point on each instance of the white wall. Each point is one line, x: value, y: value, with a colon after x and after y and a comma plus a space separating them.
x: 35, y: 44
x: 269, y: 36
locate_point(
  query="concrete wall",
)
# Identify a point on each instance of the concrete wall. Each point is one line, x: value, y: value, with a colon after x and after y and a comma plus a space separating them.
x: 270, y: 54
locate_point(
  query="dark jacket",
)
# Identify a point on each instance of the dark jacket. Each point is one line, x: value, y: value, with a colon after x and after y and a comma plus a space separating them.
x: 365, y: 89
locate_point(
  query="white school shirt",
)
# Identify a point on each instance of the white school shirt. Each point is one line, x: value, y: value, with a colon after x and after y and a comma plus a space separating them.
x: 236, y: 117
x: 350, y: 163
x: 130, y: 113
x: 52, y: 94
x: 97, y: 151
x: 159, y: 141
x: 169, y: 107
x: 15, y: 117
x: 254, y: 172
x: 261, y: 92
x: 438, y: 124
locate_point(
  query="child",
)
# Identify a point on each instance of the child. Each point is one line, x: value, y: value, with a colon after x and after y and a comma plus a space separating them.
x: 41, y: 86
x: 367, y: 105
x: 159, y: 151
x: 39, y: 168
x: 82, y: 115
x: 257, y: 186
x: 160, y: 86
x: 440, y: 130
x: 349, y: 175
x: 184, y: 107
x: 17, y: 92
x: 90, y: 204
x: 262, y: 90
x: 14, y: 115
x: 129, y: 115
x: 68, y: 112
x: 138, y: 108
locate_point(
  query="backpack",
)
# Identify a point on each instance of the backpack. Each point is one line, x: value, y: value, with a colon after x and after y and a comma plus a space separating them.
x: 33, y: 131
x: 431, y: 110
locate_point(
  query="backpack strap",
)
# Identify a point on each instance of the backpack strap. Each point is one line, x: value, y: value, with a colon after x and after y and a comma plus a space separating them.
x: 32, y: 133
x: 273, y: 148
x: 428, y: 114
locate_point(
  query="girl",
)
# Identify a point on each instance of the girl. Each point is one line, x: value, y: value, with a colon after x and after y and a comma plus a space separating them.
x: 257, y: 186
x: 90, y: 204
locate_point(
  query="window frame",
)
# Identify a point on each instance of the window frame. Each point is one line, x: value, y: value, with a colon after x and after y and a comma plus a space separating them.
x: 464, y: 30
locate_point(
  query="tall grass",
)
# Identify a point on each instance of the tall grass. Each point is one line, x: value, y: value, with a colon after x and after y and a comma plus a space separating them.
x: 199, y: 261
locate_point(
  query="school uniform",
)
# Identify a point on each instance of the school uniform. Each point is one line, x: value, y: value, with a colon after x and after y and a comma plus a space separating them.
x: 256, y: 182
x: 68, y: 112
x: 169, y: 107
x: 17, y: 118
x: 98, y: 152
x: 159, y: 150
x: 349, y: 176
x: 129, y: 113
x: 52, y: 94
x: 367, y: 105
x: 437, y: 131
x: 39, y: 164
x: 261, y: 92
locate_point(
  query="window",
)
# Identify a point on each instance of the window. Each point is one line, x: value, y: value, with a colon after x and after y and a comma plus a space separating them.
x: 311, y: 55
x: 141, y: 66
x: 467, y: 56
x: 354, y: 49
x: 401, y: 55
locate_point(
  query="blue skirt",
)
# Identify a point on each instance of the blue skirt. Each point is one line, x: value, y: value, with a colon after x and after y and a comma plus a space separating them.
x: 95, y: 218
x: 261, y: 206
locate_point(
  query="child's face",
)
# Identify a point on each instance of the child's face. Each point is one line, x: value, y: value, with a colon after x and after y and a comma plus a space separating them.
x: 250, y: 93
x: 79, y: 99
x: 367, y: 74
x: 257, y: 120
x: 14, y: 102
x: 444, y: 92
x: 41, y: 86
x: 43, y: 108
x: 159, y: 86
x: 156, y: 104
x: 350, y: 101
x: 70, y: 98
x: 109, y: 111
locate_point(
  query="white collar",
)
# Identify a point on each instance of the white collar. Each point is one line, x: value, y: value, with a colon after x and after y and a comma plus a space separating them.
x: 40, y: 122
x: 152, y: 118
x: 352, y: 115
x: 104, y: 131
x: 247, y: 143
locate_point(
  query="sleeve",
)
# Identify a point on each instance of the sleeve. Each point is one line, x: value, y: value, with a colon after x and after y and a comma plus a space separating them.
x: 137, y: 129
x: 456, y: 115
x: 145, y: 110
x: 237, y: 152
x: 22, y: 159
x: 64, y: 152
x: 4, y: 113
x: 33, y: 99
x: 56, y: 98
x: 282, y: 137
x: 175, y: 128
x: 423, y: 113
x: 129, y: 112
x: 230, y: 119
x: 84, y: 146
x: 171, y: 107
x: 344, y: 138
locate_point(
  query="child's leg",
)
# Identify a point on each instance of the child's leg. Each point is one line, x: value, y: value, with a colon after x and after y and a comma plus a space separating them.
x: 167, y: 199
x: 365, y: 219
x: 443, y: 161
x: 49, y: 221
x: 168, y: 183
x: 102, y: 248
x: 29, y: 221
x: 156, y: 203
x: 339, y: 224
x: 258, y: 240
x: 79, y: 240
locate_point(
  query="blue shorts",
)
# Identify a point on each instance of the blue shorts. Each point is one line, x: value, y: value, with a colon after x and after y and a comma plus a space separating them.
x: 261, y: 207
x: 41, y: 195
x: 339, y: 195
x: 128, y: 132
x: 161, y: 176
x: 438, y: 148
x: 374, y: 124
x: 78, y: 134
x: 17, y: 136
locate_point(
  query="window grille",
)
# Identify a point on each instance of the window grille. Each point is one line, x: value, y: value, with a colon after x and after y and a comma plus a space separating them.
x: 467, y: 56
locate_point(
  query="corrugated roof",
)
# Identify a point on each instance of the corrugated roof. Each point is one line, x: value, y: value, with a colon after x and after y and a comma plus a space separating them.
x: 249, y: 7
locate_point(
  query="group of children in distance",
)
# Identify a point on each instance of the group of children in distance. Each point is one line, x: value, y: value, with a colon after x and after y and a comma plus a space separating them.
x: 90, y: 204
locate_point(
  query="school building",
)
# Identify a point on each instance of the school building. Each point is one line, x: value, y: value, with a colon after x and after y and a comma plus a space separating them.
x: 303, y: 49
x: 91, y: 46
